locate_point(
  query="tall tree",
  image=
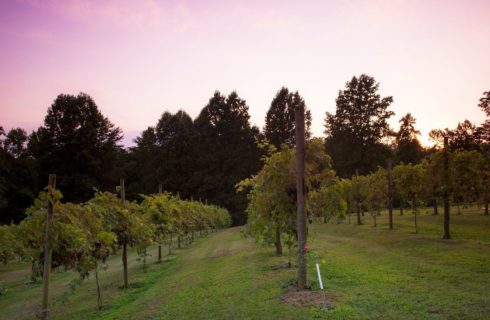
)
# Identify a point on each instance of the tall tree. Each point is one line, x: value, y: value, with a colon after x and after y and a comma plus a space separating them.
x: 164, y: 155
x: 226, y: 152
x: 279, y: 122
x: 485, y: 127
x: 176, y: 142
x: 79, y: 144
x: 465, y: 136
x: 17, y: 175
x: 356, y: 131
x: 408, y: 148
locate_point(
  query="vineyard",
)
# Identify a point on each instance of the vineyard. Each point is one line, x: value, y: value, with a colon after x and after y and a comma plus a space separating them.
x: 82, y: 237
x: 366, y: 270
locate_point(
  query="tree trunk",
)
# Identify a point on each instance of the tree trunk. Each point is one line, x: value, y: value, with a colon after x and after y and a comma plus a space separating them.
x: 47, y: 248
x: 374, y: 218
x: 401, y: 209
x: 447, y: 235
x: 99, y: 298
x: 435, y: 207
x: 125, y: 242
x: 414, y: 211
x: 390, y: 195
x: 178, y: 242
x: 159, y: 252
x: 358, y: 214
x: 34, y: 272
x: 278, y: 243
x: 125, y: 263
x: 300, y: 193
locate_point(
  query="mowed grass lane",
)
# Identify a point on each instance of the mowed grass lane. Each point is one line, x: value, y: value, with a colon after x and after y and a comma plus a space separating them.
x: 371, y: 273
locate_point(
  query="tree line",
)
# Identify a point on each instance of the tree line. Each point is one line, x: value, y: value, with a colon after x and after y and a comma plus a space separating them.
x: 204, y: 158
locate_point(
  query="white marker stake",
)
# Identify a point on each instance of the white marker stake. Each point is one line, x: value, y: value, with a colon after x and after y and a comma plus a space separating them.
x: 319, y: 276
x: 325, y: 307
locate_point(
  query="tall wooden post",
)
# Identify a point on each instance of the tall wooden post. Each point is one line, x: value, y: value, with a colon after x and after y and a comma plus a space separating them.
x: 125, y: 241
x: 47, y: 247
x: 300, y: 189
x: 390, y: 194
x: 358, y: 206
x: 160, y: 190
x: 447, y: 235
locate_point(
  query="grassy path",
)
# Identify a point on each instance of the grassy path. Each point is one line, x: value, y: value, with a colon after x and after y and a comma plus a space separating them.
x: 224, y: 277
x: 374, y: 273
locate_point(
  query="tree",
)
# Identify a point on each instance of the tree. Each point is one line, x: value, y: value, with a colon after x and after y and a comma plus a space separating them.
x: 465, y: 136
x: 17, y: 175
x: 466, y: 176
x: 485, y: 127
x: 279, y: 122
x: 226, y: 152
x: 272, y: 193
x: 408, y: 181
x: 79, y: 144
x: 408, y: 148
x: 355, y: 132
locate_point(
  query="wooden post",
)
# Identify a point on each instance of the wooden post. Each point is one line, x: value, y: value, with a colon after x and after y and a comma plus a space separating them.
x: 125, y: 241
x: 358, y: 207
x: 300, y: 201
x: 390, y: 194
x: 447, y: 235
x: 160, y: 188
x: 47, y: 246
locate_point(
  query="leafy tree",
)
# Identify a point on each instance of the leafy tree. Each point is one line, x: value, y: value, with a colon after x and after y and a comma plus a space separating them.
x: 466, y: 177
x: 7, y: 244
x: 79, y: 144
x: 356, y: 131
x: 485, y: 127
x: 17, y: 175
x: 279, y: 122
x: 485, y: 178
x: 408, y: 180
x: 465, y: 136
x: 226, y: 152
x: 176, y: 142
x: 272, y: 193
x: 328, y: 202
x: 376, y: 192
x: 408, y: 148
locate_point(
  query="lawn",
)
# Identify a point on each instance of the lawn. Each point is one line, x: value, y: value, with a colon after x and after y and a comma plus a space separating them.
x: 369, y: 273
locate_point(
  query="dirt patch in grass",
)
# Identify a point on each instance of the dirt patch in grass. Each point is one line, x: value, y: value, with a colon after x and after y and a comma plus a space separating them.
x: 299, y: 298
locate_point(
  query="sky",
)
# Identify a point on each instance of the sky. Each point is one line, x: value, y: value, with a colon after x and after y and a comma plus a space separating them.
x: 138, y: 59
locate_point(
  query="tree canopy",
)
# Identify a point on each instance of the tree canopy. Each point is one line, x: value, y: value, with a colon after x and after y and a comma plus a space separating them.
x: 279, y: 121
x: 355, y: 133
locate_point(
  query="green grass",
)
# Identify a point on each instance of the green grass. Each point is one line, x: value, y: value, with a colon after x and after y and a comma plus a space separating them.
x: 371, y: 273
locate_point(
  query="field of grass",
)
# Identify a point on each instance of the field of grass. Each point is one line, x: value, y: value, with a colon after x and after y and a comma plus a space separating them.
x: 369, y: 273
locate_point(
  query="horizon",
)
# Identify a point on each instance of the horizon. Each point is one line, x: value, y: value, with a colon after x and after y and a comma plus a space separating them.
x: 139, y: 60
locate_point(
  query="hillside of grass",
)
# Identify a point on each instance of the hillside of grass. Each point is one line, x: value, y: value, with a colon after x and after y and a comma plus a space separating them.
x: 368, y: 272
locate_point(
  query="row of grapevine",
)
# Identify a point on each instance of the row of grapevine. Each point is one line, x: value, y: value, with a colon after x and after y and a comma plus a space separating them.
x: 83, y: 236
x: 467, y: 182
x: 272, y: 192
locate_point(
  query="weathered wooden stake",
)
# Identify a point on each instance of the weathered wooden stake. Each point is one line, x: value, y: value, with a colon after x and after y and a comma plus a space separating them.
x: 125, y: 241
x: 447, y: 235
x: 390, y: 194
x: 300, y: 189
x: 47, y: 247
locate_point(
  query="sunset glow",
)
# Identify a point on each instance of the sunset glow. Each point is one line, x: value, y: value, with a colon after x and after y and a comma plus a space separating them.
x: 138, y: 59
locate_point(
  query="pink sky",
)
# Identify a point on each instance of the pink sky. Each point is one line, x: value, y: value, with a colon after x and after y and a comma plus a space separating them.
x: 140, y: 58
